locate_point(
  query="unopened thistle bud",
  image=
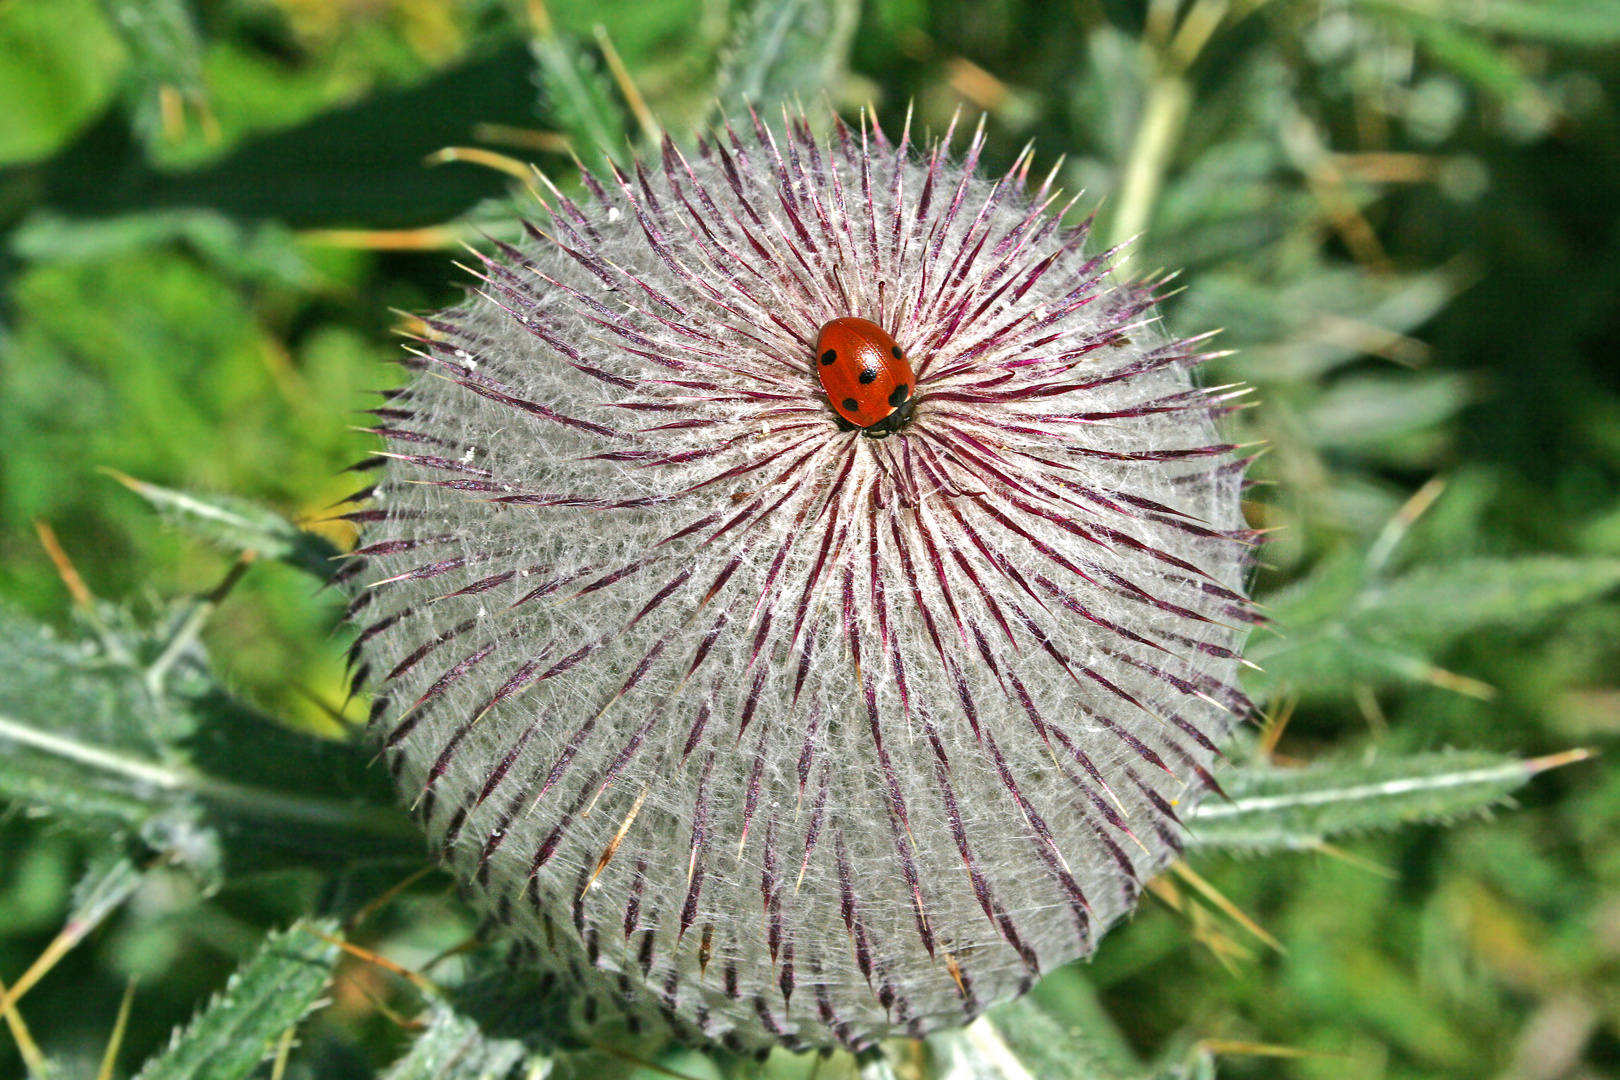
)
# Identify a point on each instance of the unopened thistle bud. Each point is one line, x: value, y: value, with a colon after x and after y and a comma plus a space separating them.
x: 802, y: 587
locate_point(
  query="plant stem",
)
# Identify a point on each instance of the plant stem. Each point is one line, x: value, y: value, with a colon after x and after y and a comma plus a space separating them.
x: 1164, y: 114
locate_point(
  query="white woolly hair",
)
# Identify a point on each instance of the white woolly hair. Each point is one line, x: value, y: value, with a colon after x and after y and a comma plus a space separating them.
x: 739, y: 719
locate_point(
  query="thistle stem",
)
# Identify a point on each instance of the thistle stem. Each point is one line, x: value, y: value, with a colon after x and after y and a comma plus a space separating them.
x: 1164, y: 115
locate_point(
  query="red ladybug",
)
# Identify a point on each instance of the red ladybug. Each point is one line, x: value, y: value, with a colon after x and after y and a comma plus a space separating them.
x: 866, y: 375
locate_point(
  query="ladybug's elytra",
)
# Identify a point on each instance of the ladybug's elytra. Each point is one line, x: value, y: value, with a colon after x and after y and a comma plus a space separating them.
x: 866, y: 375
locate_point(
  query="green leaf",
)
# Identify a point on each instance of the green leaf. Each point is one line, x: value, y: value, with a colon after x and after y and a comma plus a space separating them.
x: 1070, y: 996
x: 165, y: 61
x: 265, y: 252
x: 454, y: 1047
x: 280, y: 797
x: 108, y: 881
x: 266, y: 997
x: 1370, y: 414
x: 578, y: 100
x: 1021, y: 1041
x: 1107, y: 95
x: 239, y: 525
x: 72, y: 714
x: 1301, y: 329
x: 1186, y: 1062
x: 786, y: 51
x: 1291, y: 809
x: 1586, y: 23
x: 86, y: 735
x: 1336, y: 629
x: 1436, y: 604
x: 1475, y: 58
x: 62, y: 63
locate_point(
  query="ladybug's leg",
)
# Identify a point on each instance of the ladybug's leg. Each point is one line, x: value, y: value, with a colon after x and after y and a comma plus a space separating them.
x: 893, y: 422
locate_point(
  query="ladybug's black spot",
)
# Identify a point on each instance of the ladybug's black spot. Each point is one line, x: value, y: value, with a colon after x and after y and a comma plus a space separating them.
x: 896, y: 351
x: 851, y: 405
x: 899, y: 396
x: 828, y: 357
x: 868, y: 376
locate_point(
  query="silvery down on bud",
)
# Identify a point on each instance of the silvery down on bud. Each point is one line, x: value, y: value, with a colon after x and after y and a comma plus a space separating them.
x: 738, y: 720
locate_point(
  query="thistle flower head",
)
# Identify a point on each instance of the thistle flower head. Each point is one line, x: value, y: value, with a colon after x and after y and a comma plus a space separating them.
x: 739, y: 718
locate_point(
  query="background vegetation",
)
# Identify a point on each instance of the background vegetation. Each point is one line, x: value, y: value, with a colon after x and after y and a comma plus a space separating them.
x: 1404, y: 213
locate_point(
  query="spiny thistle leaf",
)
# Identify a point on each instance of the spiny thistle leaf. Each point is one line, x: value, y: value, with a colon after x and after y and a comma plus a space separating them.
x: 1300, y: 330
x: 1472, y: 56
x: 1582, y: 23
x: 67, y: 716
x: 1435, y: 604
x: 455, y: 1047
x: 1023, y: 1041
x: 1196, y: 1063
x: 1296, y: 809
x: 1342, y: 629
x: 577, y: 97
x: 271, y: 993
x: 165, y: 54
x: 84, y: 735
x: 106, y: 883
x: 238, y: 525
x: 265, y: 251
x: 751, y: 725
x: 1379, y: 414
x: 786, y: 51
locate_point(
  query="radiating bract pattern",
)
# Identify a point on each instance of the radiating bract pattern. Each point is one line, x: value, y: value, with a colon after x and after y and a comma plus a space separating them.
x: 769, y: 730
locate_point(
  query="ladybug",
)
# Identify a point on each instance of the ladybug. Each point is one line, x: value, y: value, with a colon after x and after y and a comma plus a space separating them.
x: 866, y: 375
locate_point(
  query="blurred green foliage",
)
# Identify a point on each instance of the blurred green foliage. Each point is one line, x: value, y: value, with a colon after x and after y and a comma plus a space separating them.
x: 1404, y: 213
